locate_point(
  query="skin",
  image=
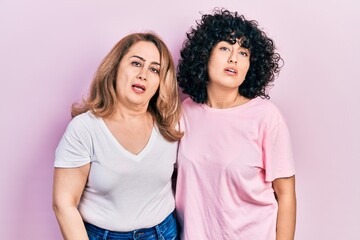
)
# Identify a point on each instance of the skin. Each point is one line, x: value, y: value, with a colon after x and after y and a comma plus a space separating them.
x: 139, y: 68
x: 228, y: 66
x: 131, y: 124
x: 286, y: 197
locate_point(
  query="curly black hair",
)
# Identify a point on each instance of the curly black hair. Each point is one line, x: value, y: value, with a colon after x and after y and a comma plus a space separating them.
x: 224, y: 25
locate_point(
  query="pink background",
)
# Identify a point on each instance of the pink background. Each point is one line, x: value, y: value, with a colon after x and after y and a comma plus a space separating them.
x: 49, y: 51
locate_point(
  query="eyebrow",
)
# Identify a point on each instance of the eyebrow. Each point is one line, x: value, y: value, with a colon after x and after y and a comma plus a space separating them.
x: 247, y: 49
x: 143, y: 59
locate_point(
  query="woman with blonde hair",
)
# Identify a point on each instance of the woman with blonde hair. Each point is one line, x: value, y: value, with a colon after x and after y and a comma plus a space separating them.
x: 113, y: 165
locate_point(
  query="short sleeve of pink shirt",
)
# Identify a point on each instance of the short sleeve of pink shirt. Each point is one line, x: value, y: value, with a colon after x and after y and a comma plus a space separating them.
x: 227, y: 161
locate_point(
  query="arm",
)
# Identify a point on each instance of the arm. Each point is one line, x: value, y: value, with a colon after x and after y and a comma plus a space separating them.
x: 286, y: 197
x: 68, y: 187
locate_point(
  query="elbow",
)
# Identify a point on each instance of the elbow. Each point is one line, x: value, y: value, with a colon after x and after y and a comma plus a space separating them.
x: 56, y: 206
x: 62, y: 202
x: 60, y: 207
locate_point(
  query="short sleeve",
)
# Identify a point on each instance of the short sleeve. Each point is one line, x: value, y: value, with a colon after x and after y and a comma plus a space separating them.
x: 75, y: 147
x: 277, y: 153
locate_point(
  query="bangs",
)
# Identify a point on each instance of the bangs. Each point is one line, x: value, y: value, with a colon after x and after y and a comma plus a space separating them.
x: 238, y: 37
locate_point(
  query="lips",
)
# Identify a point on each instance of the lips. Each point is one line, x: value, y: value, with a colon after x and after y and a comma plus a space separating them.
x: 230, y: 71
x: 138, y: 88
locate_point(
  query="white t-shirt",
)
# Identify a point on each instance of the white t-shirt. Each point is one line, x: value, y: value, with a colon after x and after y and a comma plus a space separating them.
x: 227, y: 161
x: 124, y: 191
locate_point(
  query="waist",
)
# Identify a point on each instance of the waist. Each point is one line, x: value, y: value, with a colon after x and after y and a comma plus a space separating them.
x: 165, y: 224
x: 125, y: 214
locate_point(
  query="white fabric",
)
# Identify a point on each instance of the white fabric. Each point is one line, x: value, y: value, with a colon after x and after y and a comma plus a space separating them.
x: 124, y: 191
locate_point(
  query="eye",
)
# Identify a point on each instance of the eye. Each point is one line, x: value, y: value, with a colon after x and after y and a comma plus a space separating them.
x: 245, y: 54
x: 224, y: 49
x: 136, y: 64
x: 154, y: 70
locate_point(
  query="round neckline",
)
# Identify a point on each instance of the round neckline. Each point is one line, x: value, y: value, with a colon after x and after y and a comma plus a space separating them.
x: 241, y: 106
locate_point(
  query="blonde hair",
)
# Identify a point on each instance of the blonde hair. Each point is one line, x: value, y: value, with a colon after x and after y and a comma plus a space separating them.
x: 164, y: 105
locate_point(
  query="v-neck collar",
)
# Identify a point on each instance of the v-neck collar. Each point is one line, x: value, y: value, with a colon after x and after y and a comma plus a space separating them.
x: 135, y: 157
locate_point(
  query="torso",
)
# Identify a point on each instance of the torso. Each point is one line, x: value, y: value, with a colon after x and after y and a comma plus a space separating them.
x: 124, y: 191
x: 224, y: 184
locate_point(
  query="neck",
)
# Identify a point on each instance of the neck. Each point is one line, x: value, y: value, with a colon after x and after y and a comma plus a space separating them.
x: 225, y: 99
x: 122, y: 112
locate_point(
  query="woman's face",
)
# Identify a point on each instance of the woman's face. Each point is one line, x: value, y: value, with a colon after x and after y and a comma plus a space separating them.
x: 228, y: 65
x: 138, y: 75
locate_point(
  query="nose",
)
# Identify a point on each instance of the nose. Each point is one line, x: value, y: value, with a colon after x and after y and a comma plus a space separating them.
x: 232, y: 58
x: 142, y: 75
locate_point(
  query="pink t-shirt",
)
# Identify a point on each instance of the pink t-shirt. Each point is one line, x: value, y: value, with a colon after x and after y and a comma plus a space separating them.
x: 227, y: 161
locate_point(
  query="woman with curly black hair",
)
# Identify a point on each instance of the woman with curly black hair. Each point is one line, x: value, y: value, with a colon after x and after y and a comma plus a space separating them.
x: 236, y: 176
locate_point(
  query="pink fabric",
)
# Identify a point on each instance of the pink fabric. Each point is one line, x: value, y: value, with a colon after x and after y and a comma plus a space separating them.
x: 227, y: 161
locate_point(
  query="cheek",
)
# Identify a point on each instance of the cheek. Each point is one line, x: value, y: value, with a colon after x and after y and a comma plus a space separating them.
x: 155, y: 85
x: 212, y: 66
x: 212, y: 63
x: 245, y: 66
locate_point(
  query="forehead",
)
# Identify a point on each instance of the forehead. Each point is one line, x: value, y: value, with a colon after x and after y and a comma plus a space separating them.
x: 237, y: 44
x: 146, y: 50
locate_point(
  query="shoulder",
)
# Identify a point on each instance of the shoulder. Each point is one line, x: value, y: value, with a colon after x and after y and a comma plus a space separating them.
x: 190, y: 110
x: 84, y: 118
x: 267, y: 113
x: 265, y: 104
x: 83, y: 122
x: 188, y: 103
x: 267, y: 107
x: 76, y: 145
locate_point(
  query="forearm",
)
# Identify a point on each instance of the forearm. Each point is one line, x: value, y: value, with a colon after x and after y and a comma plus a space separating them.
x: 286, y: 218
x: 71, y: 223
